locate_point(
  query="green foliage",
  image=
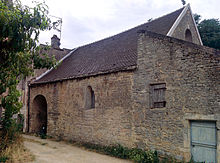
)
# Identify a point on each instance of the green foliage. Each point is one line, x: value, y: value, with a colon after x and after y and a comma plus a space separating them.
x: 134, y: 154
x: 3, y: 158
x: 197, y: 18
x: 43, y: 134
x: 19, y: 54
x: 117, y: 151
x: 209, y: 30
x: 10, y: 134
x: 20, y: 121
x: 138, y: 155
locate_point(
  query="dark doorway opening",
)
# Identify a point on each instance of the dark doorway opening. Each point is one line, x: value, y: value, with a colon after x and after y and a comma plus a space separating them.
x: 188, y: 35
x: 39, y: 123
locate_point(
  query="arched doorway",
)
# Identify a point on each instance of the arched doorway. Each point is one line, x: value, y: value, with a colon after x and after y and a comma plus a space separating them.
x: 39, y: 112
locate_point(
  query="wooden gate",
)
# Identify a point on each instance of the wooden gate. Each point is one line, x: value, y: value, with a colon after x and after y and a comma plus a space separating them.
x: 203, y: 141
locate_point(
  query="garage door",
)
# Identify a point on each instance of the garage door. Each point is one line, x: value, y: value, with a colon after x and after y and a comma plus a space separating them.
x: 203, y: 141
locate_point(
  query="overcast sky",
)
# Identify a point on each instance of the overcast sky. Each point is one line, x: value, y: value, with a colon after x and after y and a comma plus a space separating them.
x: 86, y: 21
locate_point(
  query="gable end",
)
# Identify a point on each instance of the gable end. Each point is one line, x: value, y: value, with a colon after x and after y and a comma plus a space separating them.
x: 187, y: 12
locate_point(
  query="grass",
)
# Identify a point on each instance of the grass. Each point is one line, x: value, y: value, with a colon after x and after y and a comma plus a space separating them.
x: 16, y: 153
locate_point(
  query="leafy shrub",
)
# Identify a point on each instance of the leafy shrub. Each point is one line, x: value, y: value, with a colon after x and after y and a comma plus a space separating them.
x: 9, y: 135
x: 135, y: 154
x: 3, y: 158
x: 20, y: 122
x: 117, y: 151
x: 43, y: 136
x: 139, y: 155
x: 43, y: 133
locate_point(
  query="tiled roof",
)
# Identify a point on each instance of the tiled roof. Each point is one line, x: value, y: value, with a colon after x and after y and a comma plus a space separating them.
x: 57, y: 53
x: 112, y: 54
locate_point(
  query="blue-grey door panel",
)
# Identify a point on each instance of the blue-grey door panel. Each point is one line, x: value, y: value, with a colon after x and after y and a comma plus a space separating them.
x: 204, y: 154
x: 203, y: 141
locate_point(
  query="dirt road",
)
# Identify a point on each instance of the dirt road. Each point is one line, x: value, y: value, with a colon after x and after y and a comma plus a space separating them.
x: 47, y: 151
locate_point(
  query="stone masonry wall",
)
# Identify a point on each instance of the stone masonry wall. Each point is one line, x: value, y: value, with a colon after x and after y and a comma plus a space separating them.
x: 192, y: 77
x: 108, y: 123
x: 186, y: 23
x: 23, y: 85
x: 122, y: 112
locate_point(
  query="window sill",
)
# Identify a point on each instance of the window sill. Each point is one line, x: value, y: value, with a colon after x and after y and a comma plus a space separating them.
x: 163, y: 108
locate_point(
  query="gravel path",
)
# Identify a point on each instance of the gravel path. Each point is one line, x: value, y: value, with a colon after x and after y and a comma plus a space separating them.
x: 48, y: 151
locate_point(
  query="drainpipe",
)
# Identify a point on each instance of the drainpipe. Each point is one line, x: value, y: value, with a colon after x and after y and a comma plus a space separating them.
x: 28, y: 107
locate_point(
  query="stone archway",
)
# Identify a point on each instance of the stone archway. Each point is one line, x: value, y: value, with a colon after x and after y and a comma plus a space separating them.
x: 39, y: 113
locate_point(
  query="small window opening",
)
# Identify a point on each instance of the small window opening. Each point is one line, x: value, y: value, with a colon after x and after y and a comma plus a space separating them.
x: 188, y: 35
x: 157, y: 95
x: 90, y: 98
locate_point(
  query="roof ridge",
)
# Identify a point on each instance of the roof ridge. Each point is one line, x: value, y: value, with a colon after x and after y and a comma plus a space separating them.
x: 177, y: 21
x: 166, y: 15
x: 110, y: 54
x: 131, y: 28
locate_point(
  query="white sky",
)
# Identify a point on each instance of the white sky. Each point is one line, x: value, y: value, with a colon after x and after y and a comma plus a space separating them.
x: 86, y: 21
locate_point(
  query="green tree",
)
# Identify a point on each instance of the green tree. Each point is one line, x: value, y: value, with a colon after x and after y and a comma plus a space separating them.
x: 19, y: 54
x: 197, y: 18
x: 209, y: 30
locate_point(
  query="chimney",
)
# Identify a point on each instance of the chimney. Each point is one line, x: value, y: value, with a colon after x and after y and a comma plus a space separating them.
x: 55, y: 42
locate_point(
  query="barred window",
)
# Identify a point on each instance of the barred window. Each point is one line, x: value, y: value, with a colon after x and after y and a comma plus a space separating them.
x: 157, y: 95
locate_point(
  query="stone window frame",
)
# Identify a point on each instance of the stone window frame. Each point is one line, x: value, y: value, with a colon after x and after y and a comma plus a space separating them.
x: 157, y: 95
x: 89, y: 98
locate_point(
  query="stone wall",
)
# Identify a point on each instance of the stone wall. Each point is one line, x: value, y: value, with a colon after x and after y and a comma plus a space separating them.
x: 192, y: 77
x: 186, y: 23
x: 122, y: 112
x: 68, y: 118
x: 23, y: 85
